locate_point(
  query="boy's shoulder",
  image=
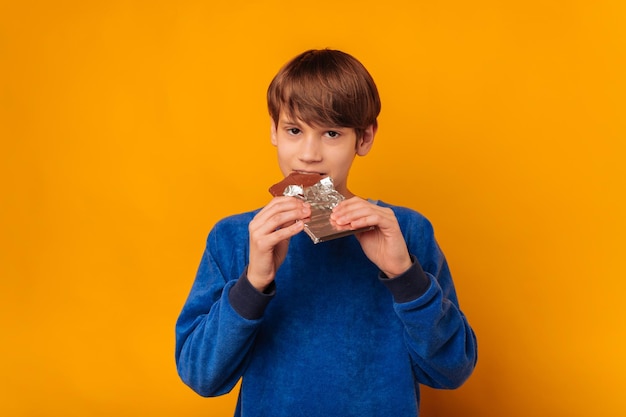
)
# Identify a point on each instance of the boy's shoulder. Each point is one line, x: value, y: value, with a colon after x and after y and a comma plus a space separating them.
x: 230, y: 234
x: 235, y: 221
x: 403, y: 213
x: 411, y: 221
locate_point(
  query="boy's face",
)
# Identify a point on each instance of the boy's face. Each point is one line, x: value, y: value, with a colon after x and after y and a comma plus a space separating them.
x: 327, y: 150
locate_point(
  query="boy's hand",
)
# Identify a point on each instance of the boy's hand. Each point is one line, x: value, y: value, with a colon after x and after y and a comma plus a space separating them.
x: 270, y: 231
x: 384, y: 245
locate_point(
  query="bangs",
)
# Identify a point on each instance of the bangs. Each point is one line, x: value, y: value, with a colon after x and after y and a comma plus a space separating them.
x: 325, y: 88
x: 314, y: 104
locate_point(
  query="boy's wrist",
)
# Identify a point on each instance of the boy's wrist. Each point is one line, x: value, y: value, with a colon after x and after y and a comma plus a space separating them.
x: 399, y: 269
x: 409, y: 285
x: 247, y: 300
x: 261, y: 285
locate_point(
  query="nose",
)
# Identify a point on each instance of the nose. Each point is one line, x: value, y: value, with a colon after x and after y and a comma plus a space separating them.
x: 310, y: 150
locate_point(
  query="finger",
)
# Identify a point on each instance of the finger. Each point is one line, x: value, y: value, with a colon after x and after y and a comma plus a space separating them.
x: 279, y: 204
x: 360, y: 220
x: 349, y: 206
x: 280, y: 212
x: 351, y: 202
x: 268, y: 241
x: 271, y: 222
x: 277, y: 214
x: 361, y: 215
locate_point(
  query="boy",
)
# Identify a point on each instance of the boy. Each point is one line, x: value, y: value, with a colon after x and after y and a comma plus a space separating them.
x: 348, y: 327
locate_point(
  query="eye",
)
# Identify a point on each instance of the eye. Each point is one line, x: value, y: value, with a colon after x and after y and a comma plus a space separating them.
x: 293, y: 131
x: 333, y: 134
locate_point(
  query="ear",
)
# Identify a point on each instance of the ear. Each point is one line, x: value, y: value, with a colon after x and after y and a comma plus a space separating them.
x: 365, y: 143
x: 273, y: 132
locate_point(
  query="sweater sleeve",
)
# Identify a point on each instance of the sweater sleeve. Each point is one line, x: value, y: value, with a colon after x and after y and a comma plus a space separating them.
x: 214, y: 336
x: 439, y: 338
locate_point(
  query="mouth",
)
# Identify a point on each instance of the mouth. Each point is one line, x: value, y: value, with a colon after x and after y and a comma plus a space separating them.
x: 310, y: 172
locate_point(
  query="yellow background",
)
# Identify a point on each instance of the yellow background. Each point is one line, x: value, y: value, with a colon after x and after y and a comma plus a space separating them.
x: 128, y: 128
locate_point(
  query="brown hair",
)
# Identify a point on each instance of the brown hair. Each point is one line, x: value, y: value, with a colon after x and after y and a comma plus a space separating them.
x: 325, y: 87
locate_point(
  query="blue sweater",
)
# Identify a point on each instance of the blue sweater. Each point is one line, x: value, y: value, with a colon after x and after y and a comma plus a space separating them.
x: 333, y: 336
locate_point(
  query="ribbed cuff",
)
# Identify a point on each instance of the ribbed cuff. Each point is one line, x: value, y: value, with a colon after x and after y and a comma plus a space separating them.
x: 408, y: 286
x: 246, y: 300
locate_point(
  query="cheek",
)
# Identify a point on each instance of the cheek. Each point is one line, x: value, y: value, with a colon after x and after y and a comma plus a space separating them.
x: 342, y: 164
x: 346, y: 156
x: 283, y: 152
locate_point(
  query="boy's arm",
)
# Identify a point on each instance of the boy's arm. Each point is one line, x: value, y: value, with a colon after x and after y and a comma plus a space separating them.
x: 218, y: 324
x: 438, y: 336
x: 214, y: 333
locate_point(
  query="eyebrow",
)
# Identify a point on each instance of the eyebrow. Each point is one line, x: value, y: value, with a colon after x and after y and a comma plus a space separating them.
x: 295, y: 122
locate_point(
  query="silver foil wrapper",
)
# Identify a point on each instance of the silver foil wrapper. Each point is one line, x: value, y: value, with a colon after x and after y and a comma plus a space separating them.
x: 322, y: 197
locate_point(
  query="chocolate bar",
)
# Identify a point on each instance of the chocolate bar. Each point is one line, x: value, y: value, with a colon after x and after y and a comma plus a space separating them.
x: 320, y: 193
x: 295, y: 178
